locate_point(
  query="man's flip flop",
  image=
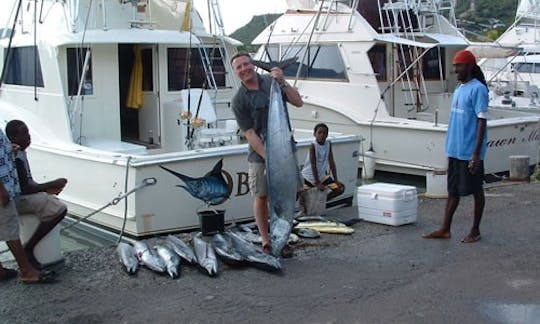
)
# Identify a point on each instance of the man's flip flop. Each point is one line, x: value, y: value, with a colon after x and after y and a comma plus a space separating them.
x: 8, y: 274
x: 45, y: 276
x: 471, y: 239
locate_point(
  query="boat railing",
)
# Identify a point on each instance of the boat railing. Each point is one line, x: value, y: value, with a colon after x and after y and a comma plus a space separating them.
x: 414, y: 15
x: 216, y: 11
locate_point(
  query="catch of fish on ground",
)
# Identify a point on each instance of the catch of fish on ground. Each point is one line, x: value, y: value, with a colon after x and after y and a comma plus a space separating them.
x: 238, y: 246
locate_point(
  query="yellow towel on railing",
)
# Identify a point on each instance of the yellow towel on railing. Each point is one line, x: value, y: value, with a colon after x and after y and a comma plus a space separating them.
x: 186, y: 22
x: 135, y: 97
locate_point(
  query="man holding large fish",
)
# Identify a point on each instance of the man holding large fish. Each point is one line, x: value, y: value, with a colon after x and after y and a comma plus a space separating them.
x: 251, y: 108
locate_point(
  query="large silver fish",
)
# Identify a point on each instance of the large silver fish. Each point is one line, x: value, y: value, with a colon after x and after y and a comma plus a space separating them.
x: 181, y: 248
x: 281, y: 168
x: 171, y: 260
x: 148, y: 256
x: 224, y: 248
x: 206, y: 257
x: 252, y: 255
x: 127, y: 257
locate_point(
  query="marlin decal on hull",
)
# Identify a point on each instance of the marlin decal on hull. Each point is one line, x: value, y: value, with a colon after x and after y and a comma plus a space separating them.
x: 213, y: 189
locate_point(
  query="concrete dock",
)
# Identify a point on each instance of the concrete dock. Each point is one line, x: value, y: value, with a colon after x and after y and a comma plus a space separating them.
x: 379, y: 274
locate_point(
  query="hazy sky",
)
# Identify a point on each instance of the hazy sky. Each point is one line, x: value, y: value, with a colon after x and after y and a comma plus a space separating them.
x: 235, y: 13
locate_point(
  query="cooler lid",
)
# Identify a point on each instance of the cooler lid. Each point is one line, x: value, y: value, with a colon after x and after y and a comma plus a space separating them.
x: 385, y: 188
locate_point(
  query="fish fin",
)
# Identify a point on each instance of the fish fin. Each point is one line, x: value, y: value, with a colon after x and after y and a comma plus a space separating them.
x: 268, y: 66
x: 182, y: 177
x: 216, y: 170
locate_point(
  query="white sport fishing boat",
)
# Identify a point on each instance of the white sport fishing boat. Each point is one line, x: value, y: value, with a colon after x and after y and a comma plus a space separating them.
x: 111, y: 92
x: 383, y: 70
x: 512, y: 62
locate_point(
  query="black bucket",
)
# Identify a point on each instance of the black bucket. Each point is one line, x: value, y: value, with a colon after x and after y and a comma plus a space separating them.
x: 212, y: 221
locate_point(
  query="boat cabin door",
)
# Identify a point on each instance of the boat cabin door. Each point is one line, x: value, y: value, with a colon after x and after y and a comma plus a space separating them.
x: 139, y: 91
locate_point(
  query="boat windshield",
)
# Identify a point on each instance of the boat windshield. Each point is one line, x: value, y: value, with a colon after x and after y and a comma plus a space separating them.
x: 527, y: 67
x: 319, y: 62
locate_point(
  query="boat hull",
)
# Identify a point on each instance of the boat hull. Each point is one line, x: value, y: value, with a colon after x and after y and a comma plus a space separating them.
x: 414, y: 147
x: 96, y: 178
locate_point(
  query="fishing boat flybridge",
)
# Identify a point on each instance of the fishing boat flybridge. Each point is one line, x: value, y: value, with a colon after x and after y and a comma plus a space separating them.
x: 123, y: 96
x: 383, y: 69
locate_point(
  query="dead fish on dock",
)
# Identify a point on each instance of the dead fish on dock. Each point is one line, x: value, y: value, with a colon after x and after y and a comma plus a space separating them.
x: 181, y: 248
x: 306, y: 232
x: 312, y: 219
x: 211, y: 188
x: 252, y: 237
x: 252, y: 255
x: 128, y: 258
x: 293, y: 239
x: 327, y: 227
x: 224, y: 248
x: 206, y: 257
x: 148, y: 256
x: 171, y: 260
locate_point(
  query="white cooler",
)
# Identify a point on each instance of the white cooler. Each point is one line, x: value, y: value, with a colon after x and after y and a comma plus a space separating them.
x: 48, y: 250
x: 387, y: 203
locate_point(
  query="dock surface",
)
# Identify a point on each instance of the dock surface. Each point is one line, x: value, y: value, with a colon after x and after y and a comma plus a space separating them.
x: 379, y: 274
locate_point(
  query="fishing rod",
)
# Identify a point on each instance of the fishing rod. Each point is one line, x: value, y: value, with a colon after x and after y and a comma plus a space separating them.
x: 315, y: 23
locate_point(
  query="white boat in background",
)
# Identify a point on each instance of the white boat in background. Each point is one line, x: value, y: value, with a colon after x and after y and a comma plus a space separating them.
x: 512, y: 62
x: 72, y: 70
x: 383, y: 70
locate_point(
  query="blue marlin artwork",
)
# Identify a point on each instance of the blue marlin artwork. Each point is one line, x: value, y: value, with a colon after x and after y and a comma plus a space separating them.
x: 211, y: 188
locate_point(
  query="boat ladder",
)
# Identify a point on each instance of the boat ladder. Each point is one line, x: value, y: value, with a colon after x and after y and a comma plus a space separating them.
x: 407, y: 19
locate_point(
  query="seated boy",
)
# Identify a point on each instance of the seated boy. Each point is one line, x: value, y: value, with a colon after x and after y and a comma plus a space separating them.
x: 35, y: 198
x: 319, y: 159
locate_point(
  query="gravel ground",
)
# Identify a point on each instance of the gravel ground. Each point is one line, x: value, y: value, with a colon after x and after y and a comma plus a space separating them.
x: 379, y: 274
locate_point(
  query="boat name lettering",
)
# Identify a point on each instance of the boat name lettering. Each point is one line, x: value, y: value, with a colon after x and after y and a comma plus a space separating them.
x: 533, y: 136
x: 243, y: 186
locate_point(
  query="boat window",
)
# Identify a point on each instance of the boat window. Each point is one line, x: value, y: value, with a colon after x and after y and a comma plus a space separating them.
x: 178, y: 65
x: 75, y: 64
x: 526, y: 67
x: 320, y: 62
x: 271, y: 53
x: 431, y: 66
x: 24, y: 67
x: 377, y: 57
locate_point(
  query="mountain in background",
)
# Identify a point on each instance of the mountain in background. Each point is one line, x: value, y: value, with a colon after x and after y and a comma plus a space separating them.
x: 484, y: 20
x: 253, y: 28
x: 480, y: 20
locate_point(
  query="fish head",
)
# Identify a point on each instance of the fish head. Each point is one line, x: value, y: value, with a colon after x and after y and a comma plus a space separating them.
x: 279, y: 234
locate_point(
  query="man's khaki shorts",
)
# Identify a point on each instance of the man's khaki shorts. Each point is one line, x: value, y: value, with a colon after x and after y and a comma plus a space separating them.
x: 257, y: 179
x: 45, y: 206
x: 9, y: 222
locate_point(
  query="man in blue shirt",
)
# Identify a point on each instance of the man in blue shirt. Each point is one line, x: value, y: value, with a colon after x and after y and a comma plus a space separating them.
x: 466, y: 143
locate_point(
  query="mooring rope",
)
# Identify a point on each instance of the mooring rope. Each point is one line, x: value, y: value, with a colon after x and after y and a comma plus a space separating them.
x: 146, y: 182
